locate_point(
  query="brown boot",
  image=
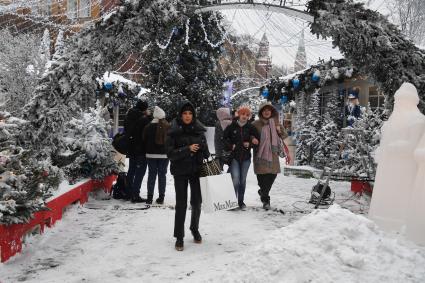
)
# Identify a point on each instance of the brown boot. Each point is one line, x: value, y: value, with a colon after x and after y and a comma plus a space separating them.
x: 197, y: 237
x: 179, y: 245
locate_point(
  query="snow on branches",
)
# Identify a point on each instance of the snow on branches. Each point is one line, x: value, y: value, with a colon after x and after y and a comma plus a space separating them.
x: 24, y: 181
x: 376, y: 47
x: 87, y: 147
x: 309, y: 79
x: 21, y: 66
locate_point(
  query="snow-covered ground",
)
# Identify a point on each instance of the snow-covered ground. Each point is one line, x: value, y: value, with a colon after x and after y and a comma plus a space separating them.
x: 114, y: 244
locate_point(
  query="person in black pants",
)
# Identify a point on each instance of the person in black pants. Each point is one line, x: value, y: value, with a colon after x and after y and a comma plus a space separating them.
x: 135, y: 121
x: 186, y: 147
x: 154, y: 137
x: 266, y: 157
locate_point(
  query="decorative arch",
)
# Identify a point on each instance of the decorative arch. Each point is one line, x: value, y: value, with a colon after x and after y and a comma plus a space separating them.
x: 283, y: 7
x: 365, y: 37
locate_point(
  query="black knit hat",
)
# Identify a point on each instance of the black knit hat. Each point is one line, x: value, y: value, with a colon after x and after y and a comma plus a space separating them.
x: 142, y: 105
x: 187, y: 107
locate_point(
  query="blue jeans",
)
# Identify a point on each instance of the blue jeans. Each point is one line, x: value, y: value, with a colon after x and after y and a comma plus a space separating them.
x: 135, y: 174
x: 157, y: 166
x: 239, y: 171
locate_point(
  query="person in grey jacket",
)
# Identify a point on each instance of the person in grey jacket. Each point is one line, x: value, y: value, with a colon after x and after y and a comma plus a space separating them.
x: 224, y: 120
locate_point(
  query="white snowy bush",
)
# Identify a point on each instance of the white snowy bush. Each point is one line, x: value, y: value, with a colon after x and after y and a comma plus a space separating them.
x: 88, y: 147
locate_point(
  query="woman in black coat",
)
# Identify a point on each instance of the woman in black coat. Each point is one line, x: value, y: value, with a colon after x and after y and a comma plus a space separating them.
x: 240, y: 137
x: 186, y: 147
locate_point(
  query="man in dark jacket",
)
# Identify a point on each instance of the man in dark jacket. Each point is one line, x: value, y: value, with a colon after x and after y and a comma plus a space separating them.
x: 135, y: 121
x: 186, y: 147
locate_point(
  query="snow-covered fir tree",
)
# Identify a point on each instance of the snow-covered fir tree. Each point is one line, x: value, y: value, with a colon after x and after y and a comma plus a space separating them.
x: 59, y: 46
x: 44, y: 56
x: 301, y: 156
x: 307, y: 128
x: 376, y: 47
x: 182, y: 64
x: 24, y: 181
x: 70, y: 85
x: 328, y: 138
x: 136, y: 26
x: 88, y: 153
x: 357, y: 156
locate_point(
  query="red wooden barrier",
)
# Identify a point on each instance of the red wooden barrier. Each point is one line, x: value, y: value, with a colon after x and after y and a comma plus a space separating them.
x: 361, y: 187
x: 11, y: 235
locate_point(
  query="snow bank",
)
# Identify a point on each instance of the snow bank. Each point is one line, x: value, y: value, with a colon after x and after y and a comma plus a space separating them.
x: 333, y: 245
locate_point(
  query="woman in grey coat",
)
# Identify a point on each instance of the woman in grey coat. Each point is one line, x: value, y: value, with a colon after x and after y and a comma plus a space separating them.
x: 224, y: 120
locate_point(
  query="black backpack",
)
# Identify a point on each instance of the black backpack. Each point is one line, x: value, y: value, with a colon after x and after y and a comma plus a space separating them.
x: 120, y: 190
x: 121, y: 143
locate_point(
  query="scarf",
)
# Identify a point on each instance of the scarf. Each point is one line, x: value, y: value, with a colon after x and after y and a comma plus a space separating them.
x: 268, y: 143
x: 241, y: 124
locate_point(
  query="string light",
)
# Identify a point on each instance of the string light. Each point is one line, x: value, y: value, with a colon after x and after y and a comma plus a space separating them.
x: 283, y: 30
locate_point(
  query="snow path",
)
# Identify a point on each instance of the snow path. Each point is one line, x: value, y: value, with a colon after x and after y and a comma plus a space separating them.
x: 107, y: 245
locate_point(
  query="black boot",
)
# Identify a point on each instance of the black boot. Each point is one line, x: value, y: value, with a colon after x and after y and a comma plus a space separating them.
x: 194, y: 224
x: 194, y: 219
x: 160, y: 200
x: 242, y: 205
x: 179, y: 244
x: 197, y: 238
x: 138, y: 199
x: 149, y: 200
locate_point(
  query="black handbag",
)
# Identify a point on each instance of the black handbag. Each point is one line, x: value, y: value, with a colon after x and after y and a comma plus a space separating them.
x: 121, y: 143
x: 210, y: 168
x: 227, y: 157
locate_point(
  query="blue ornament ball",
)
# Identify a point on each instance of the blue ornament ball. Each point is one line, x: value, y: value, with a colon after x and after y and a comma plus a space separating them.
x: 108, y: 85
x: 315, y: 77
x: 265, y: 92
x: 283, y: 99
x: 175, y: 31
x: 295, y: 83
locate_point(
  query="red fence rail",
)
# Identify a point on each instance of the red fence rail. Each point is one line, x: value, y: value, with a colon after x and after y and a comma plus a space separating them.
x: 11, y: 236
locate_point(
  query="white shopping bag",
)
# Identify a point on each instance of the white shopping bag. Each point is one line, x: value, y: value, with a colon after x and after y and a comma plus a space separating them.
x: 218, y: 193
